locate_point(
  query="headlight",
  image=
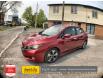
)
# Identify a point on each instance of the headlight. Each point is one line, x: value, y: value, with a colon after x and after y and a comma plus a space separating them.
x: 35, y: 47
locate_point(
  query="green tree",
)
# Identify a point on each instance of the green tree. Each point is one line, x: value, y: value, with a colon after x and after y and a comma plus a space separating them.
x: 41, y: 18
x: 28, y: 16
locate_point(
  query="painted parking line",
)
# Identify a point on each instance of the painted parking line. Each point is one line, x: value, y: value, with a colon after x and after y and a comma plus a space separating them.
x: 10, y: 43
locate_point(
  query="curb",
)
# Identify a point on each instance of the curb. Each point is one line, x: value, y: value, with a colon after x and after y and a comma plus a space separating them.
x: 10, y: 43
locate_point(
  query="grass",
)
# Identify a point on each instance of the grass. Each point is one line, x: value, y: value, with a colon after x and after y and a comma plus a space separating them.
x: 2, y: 28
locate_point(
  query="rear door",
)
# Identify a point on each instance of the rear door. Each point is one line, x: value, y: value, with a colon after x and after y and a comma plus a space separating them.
x: 80, y: 36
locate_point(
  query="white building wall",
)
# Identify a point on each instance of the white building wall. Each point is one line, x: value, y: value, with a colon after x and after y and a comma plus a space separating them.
x: 82, y: 15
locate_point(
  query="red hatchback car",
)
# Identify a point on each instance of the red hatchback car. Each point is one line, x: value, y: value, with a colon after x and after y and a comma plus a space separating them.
x: 48, y: 45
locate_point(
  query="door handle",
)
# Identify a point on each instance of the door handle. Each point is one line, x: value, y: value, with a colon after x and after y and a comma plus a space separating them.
x: 74, y: 39
x: 80, y: 36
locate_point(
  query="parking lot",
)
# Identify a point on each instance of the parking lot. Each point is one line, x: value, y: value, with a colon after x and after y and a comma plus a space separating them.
x: 91, y: 56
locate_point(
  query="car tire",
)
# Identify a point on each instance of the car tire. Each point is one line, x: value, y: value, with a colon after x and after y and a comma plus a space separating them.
x: 51, y: 55
x: 84, y: 45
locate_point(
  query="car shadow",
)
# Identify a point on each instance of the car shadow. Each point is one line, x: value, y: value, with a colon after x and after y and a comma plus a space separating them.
x: 70, y: 54
x: 63, y: 58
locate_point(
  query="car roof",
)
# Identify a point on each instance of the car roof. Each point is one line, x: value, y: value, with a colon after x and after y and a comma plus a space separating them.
x: 62, y: 27
x: 66, y: 27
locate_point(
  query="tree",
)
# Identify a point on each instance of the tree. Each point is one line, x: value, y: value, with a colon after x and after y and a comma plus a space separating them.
x: 41, y: 18
x: 5, y: 6
x: 28, y: 16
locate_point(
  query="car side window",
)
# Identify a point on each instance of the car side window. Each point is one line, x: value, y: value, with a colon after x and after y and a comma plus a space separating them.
x: 79, y: 30
x: 69, y: 31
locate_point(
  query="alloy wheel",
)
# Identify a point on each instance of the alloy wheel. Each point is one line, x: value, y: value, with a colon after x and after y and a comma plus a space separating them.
x: 52, y: 55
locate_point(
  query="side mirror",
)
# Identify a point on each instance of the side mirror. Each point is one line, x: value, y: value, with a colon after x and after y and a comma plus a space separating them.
x: 67, y: 35
x: 41, y: 31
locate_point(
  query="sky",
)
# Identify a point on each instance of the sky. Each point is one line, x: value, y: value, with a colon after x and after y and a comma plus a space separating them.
x: 43, y: 4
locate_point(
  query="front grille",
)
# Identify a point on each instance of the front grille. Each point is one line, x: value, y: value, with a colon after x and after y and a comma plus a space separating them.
x: 25, y: 47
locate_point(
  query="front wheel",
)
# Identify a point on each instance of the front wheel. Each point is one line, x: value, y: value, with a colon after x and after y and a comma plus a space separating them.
x: 51, y: 55
x: 84, y: 45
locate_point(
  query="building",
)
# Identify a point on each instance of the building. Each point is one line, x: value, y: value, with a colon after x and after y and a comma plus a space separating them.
x: 8, y: 14
x: 12, y: 18
x: 90, y: 18
x: 2, y: 18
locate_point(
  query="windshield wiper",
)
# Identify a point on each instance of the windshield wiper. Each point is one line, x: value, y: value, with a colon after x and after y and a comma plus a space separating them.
x: 44, y: 34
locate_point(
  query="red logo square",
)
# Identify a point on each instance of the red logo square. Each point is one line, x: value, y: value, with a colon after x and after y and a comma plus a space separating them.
x: 10, y: 70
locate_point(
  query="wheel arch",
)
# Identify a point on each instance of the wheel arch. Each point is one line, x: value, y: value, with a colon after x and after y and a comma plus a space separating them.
x: 56, y: 48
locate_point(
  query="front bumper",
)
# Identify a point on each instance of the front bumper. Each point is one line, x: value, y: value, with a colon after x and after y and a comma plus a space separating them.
x: 32, y: 59
x: 29, y: 53
x: 34, y: 55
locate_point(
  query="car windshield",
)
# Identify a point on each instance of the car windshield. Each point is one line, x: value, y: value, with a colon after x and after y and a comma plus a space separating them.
x: 51, y: 31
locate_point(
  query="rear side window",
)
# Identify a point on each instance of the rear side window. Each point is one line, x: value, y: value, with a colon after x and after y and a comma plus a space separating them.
x: 70, y: 31
x: 79, y: 30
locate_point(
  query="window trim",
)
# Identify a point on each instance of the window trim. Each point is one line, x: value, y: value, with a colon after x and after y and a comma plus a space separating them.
x: 69, y: 28
x: 55, y: 9
x: 94, y: 14
x: 74, y: 9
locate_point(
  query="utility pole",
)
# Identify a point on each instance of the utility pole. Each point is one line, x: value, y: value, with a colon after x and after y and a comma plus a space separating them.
x: 36, y: 15
x: 63, y: 13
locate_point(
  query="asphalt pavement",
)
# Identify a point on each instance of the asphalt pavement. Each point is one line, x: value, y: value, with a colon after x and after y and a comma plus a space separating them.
x: 7, y: 35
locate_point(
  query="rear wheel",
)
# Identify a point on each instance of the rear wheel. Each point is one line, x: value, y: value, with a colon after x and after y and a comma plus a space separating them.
x: 51, y: 55
x: 84, y: 45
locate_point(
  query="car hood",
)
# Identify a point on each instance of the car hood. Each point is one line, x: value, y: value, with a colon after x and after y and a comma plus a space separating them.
x: 37, y: 39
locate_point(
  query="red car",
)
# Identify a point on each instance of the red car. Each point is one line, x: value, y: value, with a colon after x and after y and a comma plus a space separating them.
x: 48, y: 45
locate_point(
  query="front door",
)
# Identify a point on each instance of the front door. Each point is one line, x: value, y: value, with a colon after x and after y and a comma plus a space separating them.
x: 70, y: 43
x: 91, y: 28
